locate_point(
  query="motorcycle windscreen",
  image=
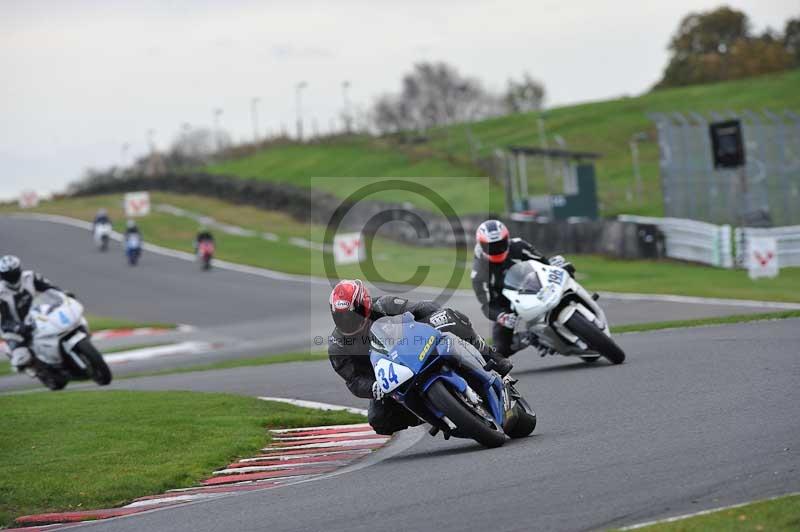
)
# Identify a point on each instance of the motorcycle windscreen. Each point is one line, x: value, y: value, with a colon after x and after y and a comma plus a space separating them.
x: 52, y: 314
x: 403, y: 340
x: 522, y: 277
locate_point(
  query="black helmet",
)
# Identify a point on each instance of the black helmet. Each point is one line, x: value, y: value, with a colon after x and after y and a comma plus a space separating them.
x: 10, y: 270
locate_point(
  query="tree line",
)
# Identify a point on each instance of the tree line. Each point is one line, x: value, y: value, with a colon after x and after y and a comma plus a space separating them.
x: 720, y: 45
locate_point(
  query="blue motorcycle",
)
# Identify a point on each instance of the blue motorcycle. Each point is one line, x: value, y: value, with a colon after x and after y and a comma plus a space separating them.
x: 445, y: 382
x: 133, y: 248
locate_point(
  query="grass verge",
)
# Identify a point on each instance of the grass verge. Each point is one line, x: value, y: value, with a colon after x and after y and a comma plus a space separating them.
x: 262, y: 360
x: 101, y: 323
x: 604, y: 126
x: 721, y: 320
x: 774, y: 515
x: 119, y: 445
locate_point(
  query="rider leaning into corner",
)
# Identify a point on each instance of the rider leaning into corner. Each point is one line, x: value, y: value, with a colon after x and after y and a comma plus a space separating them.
x: 353, y: 312
x: 17, y: 290
x: 495, y: 253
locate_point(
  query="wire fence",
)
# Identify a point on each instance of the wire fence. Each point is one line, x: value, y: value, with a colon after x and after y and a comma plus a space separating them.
x: 764, y: 192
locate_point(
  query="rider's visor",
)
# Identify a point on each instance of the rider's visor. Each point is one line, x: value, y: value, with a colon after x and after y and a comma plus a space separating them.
x: 11, y: 277
x: 495, y: 248
x: 349, y: 322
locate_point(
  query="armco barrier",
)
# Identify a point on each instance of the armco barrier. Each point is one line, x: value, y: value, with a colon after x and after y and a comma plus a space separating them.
x: 787, y: 239
x: 692, y: 240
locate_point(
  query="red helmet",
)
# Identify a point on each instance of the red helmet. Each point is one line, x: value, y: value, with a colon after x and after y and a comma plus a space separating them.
x: 493, y: 237
x: 350, y: 306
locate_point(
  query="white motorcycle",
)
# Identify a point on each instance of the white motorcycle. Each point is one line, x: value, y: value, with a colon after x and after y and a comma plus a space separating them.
x: 557, y: 315
x: 61, y: 342
x: 102, y: 234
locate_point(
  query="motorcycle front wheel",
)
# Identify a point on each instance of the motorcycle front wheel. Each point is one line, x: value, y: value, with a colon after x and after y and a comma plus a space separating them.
x: 468, y: 422
x: 595, y: 338
x: 99, y: 370
x: 53, y: 381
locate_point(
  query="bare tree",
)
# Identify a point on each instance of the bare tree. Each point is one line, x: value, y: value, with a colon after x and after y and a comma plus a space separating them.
x: 198, y: 145
x: 433, y: 94
x: 525, y: 95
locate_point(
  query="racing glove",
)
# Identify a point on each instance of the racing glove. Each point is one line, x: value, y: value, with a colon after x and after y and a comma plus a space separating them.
x: 377, y: 391
x: 507, y: 320
x: 561, y: 262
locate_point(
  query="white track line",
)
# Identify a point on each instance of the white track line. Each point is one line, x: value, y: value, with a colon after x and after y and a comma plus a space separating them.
x: 699, y: 300
x: 304, y: 455
x: 327, y: 445
x: 331, y: 435
x: 317, y: 406
x: 181, y: 348
x: 305, y: 429
x: 256, y: 469
x: 704, y: 512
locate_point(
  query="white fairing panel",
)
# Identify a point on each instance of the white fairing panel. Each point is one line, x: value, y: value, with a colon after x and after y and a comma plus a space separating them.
x: 102, y: 229
x: 53, y: 315
x: 390, y: 374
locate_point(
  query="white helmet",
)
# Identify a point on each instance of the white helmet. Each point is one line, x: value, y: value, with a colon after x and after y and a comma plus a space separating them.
x: 11, y: 271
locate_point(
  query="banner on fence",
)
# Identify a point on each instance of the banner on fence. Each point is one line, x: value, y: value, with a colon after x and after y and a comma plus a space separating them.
x: 137, y: 204
x: 28, y: 199
x: 348, y: 248
x: 763, y: 260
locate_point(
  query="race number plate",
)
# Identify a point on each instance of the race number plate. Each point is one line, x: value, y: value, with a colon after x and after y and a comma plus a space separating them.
x: 391, y: 374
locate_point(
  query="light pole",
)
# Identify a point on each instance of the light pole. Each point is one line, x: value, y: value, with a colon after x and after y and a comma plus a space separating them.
x: 637, y: 174
x: 346, y: 102
x: 217, y: 136
x: 254, y: 114
x: 123, y: 152
x: 298, y: 91
x: 151, y: 133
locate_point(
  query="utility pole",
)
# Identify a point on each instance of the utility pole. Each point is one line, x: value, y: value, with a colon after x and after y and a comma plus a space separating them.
x: 254, y: 115
x: 346, y: 103
x: 217, y: 135
x: 298, y: 102
x: 637, y: 174
x: 543, y: 145
x: 150, y: 142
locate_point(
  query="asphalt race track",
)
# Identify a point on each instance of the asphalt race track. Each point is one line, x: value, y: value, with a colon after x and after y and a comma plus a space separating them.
x: 695, y: 419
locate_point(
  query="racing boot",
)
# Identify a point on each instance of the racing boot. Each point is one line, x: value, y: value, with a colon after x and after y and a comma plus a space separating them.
x: 496, y: 361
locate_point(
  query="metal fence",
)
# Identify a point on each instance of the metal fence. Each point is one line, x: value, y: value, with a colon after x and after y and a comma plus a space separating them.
x: 765, y: 192
x: 692, y: 240
x: 787, y: 239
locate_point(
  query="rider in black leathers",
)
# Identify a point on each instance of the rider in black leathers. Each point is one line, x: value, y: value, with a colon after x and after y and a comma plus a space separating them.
x: 495, y: 254
x: 349, y: 353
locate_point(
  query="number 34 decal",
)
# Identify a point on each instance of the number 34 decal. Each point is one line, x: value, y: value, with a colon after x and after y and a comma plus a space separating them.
x: 392, y: 377
x: 390, y: 374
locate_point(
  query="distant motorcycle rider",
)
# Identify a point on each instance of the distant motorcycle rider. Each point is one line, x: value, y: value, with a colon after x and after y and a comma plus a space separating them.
x: 353, y: 312
x: 203, y: 235
x: 495, y: 253
x: 18, y: 287
x: 100, y: 218
x: 132, y: 229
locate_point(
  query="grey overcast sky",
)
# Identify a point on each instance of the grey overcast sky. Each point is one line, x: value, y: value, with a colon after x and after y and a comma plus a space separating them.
x: 80, y: 78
